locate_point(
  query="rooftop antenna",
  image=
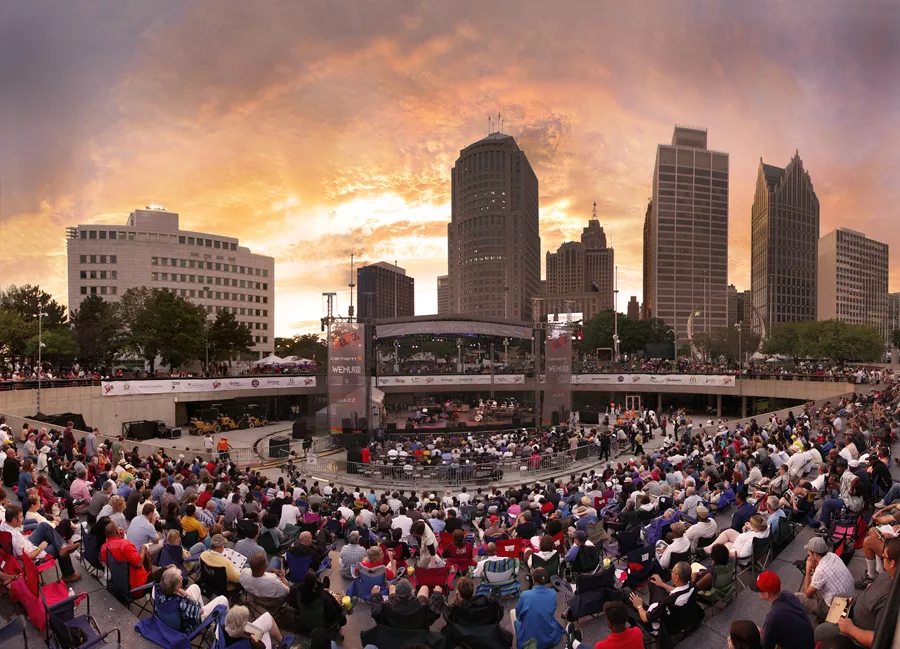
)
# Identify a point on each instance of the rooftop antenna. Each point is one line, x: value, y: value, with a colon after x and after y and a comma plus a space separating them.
x: 498, y: 121
x: 352, y: 286
x: 489, y: 124
x: 594, y: 216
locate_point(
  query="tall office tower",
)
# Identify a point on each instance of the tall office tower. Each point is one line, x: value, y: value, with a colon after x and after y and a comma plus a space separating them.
x: 493, y: 238
x: 149, y: 250
x: 647, y: 305
x: 581, y: 272
x: 853, y: 280
x: 383, y: 290
x: 634, y: 308
x: 736, y: 307
x: 783, y: 243
x: 747, y: 304
x: 689, y: 234
x: 443, y: 294
x: 893, y: 313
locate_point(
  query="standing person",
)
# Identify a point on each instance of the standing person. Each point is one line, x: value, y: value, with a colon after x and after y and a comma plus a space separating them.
x: 117, y: 450
x: 223, y: 447
x: 90, y: 444
x: 536, y: 614
x: 787, y: 624
x: 208, y: 443
x: 67, y: 444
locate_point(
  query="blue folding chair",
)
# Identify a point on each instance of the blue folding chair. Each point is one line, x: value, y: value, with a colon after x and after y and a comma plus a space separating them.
x: 365, y: 579
x: 287, y: 641
x: 173, y: 555
x: 164, y: 626
x: 299, y: 566
x: 90, y: 553
x: 61, y: 621
x: 119, y: 584
x: 13, y: 628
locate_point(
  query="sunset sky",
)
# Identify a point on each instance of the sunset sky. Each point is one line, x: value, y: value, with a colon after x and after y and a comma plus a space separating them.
x: 313, y: 129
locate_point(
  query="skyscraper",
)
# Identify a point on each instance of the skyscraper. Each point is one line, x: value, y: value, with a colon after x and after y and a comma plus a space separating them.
x: 443, y: 294
x: 688, y: 232
x: 634, y: 308
x: 383, y: 290
x: 647, y: 305
x: 784, y: 244
x: 853, y: 280
x: 150, y: 250
x: 581, y: 272
x: 493, y: 238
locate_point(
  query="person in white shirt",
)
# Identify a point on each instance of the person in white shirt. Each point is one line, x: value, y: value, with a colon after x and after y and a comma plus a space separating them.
x: 491, y: 557
x: 464, y: 498
x: 403, y: 522
x: 679, y: 545
x: 797, y: 464
x: 704, y: 528
x: 259, y: 581
x: 740, y: 544
x: 819, y: 483
x: 289, y: 515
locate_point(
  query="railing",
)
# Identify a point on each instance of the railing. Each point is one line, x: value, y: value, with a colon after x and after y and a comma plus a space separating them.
x: 510, y: 470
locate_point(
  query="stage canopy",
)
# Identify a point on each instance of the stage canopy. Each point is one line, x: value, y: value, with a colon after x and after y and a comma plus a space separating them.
x: 451, y: 328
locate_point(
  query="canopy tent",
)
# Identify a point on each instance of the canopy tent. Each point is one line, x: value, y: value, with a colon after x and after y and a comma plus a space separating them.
x: 271, y: 359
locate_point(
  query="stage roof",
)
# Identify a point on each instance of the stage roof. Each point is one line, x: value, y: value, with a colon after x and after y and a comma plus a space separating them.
x: 450, y: 325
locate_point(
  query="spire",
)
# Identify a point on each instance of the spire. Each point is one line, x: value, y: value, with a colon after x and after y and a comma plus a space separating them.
x: 594, y: 215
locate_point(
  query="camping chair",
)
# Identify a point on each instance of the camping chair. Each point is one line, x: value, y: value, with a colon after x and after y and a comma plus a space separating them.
x: 164, y: 626
x: 591, y: 592
x: 627, y: 541
x: 299, y: 566
x: 365, y: 579
x: 118, y: 583
x: 704, y: 542
x: 90, y: 554
x: 724, y: 586
x: 466, y: 512
x: 641, y: 565
x: 509, y: 548
x: 190, y: 539
x: 35, y: 596
x: 596, y: 534
x: 784, y: 534
x: 501, y: 575
x: 758, y: 560
x: 551, y: 565
x: 459, y: 558
x: 559, y: 541
x: 445, y: 540
x: 13, y: 628
x: 267, y: 542
x: 172, y: 555
x: 587, y: 561
x: 213, y: 582
x: 432, y: 577
x: 63, y: 620
x: 6, y: 545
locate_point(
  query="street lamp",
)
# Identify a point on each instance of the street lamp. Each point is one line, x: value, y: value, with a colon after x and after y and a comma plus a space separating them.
x: 206, y: 329
x: 40, y: 315
x: 674, y: 347
x: 740, y: 331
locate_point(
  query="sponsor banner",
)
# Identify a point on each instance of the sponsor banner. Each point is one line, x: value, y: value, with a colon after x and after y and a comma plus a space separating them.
x: 162, y: 386
x: 557, y: 372
x: 346, y: 376
x: 451, y: 379
x: 714, y: 380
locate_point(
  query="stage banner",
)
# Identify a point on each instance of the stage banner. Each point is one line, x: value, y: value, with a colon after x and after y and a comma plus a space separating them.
x: 163, y: 386
x: 346, y: 376
x: 451, y: 379
x: 557, y: 372
x: 649, y: 380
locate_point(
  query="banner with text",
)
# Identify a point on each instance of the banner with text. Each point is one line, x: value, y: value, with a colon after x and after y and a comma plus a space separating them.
x: 649, y: 380
x: 451, y: 379
x: 346, y: 376
x: 557, y: 372
x: 163, y: 386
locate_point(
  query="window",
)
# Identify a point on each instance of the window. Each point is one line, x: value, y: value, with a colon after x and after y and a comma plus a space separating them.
x: 114, y: 290
x: 103, y: 234
x: 190, y: 241
x: 83, y: 274
x: 112, y: 259
x: 131, y: 236
x: 102, y: 259
x: 265, y: 313
x: 265, y: 287
x: 121, y: 236
x: 165, y: 277
x: 93, y: 274
x: 102, y: 290
x: 234, y: 246
x: 83, y: 234
x: 181, y: 239
x: 243, y: 311
x: 218, y: 266
x: 193, y: 293
x: 154, y: 276
x: 265, y: 299
x: 102, y: 274
x: 265, y: 339
x: 93, y: 259
x: 192, y: 263
x: 82, y: 259
x: 93, y: 290
x: 84, y: 290
x: 92, y: 234
x: 217, y: 244
x: 182, y: 263
x: 113, y: 274
x: 154, y: 261
x: 257, y: 312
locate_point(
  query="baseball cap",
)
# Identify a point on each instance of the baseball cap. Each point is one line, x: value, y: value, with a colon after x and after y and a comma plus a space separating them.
x: 541, y: 577
x: 581, y: 535
x: 769, y: 582
x: 817, y: 545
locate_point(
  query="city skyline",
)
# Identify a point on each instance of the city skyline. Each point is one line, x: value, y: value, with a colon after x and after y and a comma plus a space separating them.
x: 308, y: 135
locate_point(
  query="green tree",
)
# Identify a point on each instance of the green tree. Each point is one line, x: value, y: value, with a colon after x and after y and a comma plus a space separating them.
x: 160, y: 323
x: 25, y: 300
x: 15, y: 331
x: 310, y: 346
x: 228, y: 338
x: 784, y: 340
x: 59, y: 347
x: 634, y: 336
x: 832, y: 340
x: 99, y: 332
x: 895, y: 338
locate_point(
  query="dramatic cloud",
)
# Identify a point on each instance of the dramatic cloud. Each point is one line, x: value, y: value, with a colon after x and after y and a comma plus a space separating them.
x: 311, y: 130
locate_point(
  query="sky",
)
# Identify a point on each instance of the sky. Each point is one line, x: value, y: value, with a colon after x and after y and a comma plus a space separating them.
x: 312, y: 129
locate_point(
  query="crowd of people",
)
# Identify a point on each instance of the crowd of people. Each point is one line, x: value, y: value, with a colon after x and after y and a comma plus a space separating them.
x: 644, y: 539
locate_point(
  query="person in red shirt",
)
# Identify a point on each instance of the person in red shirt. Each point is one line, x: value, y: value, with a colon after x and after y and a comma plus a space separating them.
x: 366, y: 455
x: 123, y: 550
x: 375, y: 558
x: 204, y: 497
x: 621, y: 636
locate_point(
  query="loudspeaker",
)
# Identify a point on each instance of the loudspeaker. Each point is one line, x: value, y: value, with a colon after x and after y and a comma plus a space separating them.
x: 279, y: 447
x: 346, y: 422
x: 346, y: 430
x: 461, y: 424
x: 554, y: 418
x: 588, y: 417
x: 391, y: 426
x: 299, y: 429
x: 517, y: 422
x: 361, y: 423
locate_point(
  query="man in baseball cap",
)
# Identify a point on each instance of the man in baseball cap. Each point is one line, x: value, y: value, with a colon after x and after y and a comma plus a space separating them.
x: 787, y: 624
x: 215, y: 559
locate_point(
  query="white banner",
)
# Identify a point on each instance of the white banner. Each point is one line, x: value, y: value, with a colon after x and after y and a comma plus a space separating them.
x: 451, y: 379
x: 716, y: 380
x: 162, y: 386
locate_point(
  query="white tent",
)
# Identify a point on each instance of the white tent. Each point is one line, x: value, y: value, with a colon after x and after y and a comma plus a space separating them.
x: 271, y: 359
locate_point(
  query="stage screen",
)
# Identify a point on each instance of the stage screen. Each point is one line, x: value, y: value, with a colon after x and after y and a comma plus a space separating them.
x: 346, y: 376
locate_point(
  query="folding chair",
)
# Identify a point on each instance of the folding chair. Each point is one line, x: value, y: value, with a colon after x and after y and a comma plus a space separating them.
x: 641, y: 565
x: 90, y: 554
x: 63, y: 620
x: 757, y: 561
x: 509, y: 548
x: 213, y: 582
x: 365, y: 579
x: 501, y: 575
x: 13, y: 628
x: 724, y: 586
x: 445, y: 540
x: 33, y: 595
x: 553, y: 566
x: 627, y: 540
x: 164, y: 626
x: 190, y: 539
x: 459, y: 558
x: 432, y: 577
x: 173, y: 555
x: 119, y: 584
x: 299, y: 566
x: 6, y: 545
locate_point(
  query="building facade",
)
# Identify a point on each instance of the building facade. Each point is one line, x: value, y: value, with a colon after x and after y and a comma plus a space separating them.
x: 893, y: 314
x: 588, y: 304
x: 634, y: 308
x: 443, y: 294
x: 688, y: 234
x: 384, y: 290
x: 493, y: 238
x: 647, y: 304
x: 150, y: 250
x: 784, y: 244
x: 853, y: 280
x: 737, y: 308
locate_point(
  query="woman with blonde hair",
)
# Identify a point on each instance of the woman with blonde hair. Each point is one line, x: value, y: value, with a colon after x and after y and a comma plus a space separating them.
x: 238, y: 618
x: 115, y: 509
x: 740, y: 544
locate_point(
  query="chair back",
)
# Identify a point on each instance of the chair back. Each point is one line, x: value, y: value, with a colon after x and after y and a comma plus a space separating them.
x: 500, y: 571
x: 119, y: 582
x: 297, y: 567
x: 446, y: 539
x: 90, y: 548
x: 551, y: 565
x: 171, y: 555
x: 58, y: 617
x: 213, y: 579
x: 675, y: 557
x: 465, y: 512
x: 629, y: 540
x: 432, y: 577
x: 510, y: 548
x: 705, y: 541
x: 559, y: 541
x: 371, y: 577
x: 723, y: 577
x: 6, y: 542
x: 189, y: 539
x: 169, y: 612
x: 31, y: 574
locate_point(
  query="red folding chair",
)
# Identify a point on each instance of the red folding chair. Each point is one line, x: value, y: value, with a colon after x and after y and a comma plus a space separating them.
x: 599, y: 503
x: 510, y: 548
x: 432, y: 577
x: 28, y: 591
x: 559, y: 542
x: 446, y: 540
x: 7, y: 547
x: 459, y: 557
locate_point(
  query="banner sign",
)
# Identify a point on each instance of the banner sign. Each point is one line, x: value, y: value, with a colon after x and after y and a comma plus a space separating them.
x: 557, y: 372
x: 451, y: 379
x: 163, y: 386
x: 716, y: 380
x: 346, y: 376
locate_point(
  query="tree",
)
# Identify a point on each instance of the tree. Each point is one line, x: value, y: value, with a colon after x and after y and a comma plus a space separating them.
x: 228, y: 338
x: 99, y: 332
x: 302, y: 346
x: 895, y: 338
x: 634, y: 336
x: 25, y: 300
x: 160, y: 323
x: 832, y: 340
x: 59, y: 347
x: 15, y: 331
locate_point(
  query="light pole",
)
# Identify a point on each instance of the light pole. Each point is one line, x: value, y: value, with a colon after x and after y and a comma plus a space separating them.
x: 40, y: 315
x: 616, y: 319
x: 206, y: 328
x: 674, y: 347
x: 740, y: 331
